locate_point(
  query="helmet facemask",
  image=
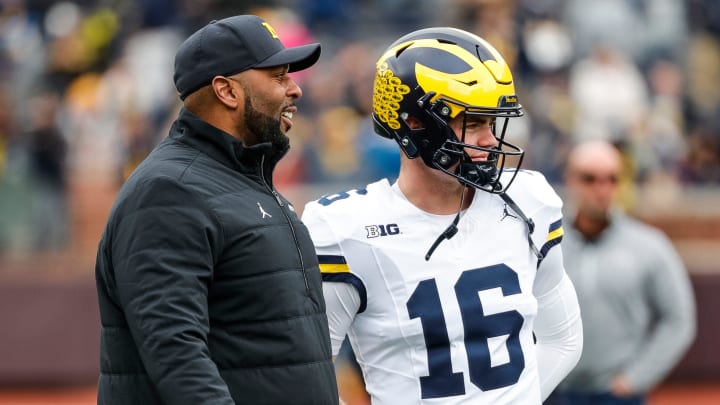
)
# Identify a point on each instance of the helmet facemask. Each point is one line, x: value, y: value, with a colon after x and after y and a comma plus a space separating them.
x: 483, y: 175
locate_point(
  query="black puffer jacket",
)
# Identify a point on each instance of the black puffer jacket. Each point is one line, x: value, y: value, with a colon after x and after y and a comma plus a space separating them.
x: 208, y: 283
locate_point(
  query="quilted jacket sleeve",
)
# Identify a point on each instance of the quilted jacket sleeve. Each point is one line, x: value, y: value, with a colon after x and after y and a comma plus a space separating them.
x: 163, y: 254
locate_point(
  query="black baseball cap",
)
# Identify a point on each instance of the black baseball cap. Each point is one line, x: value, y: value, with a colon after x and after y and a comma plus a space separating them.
x: 232, y: 45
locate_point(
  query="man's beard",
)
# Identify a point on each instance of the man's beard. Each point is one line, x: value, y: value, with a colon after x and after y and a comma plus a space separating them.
x: 264, y: 128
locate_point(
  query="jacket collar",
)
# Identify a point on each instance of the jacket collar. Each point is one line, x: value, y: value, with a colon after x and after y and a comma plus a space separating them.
x: 223, y: 147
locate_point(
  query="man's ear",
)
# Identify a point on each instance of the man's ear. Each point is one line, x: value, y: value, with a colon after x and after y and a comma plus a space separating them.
x: 227, y: 93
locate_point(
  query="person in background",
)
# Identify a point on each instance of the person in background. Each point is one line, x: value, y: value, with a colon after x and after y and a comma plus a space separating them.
x: 208, y: 283
x: 443, y: 278
x: 635, y: 294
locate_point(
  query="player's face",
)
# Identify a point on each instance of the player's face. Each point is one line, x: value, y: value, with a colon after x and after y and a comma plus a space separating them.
x: 269, y: 105
x: 478, y: 132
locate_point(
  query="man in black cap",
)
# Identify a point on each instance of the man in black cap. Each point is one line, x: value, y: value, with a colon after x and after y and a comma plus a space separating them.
x: 208, y: 283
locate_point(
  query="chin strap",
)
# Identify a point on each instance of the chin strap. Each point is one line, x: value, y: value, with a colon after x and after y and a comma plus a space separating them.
x: 450, y: 231
x: 447, y: 234
x: 529, y: 222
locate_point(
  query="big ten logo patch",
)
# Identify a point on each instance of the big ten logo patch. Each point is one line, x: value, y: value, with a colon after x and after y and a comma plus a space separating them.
x: 374, y: 231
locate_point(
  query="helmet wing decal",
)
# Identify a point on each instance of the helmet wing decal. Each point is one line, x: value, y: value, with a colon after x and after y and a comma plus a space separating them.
x: 467, y: 86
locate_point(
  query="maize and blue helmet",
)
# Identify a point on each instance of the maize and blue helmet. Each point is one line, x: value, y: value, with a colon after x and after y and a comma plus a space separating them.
x: 434, y: 75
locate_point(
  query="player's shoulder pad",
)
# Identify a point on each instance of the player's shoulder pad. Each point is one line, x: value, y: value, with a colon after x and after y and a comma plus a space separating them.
x: 343, y: 210
x: 349, y: 200
x: 531, y: 189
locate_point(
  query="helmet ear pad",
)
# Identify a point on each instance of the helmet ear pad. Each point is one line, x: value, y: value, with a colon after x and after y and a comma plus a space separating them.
x: 440, y: 148
x: 428, y: 140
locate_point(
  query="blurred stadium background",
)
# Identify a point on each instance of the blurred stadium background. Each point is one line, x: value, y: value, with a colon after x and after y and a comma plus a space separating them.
x: 86, y: 91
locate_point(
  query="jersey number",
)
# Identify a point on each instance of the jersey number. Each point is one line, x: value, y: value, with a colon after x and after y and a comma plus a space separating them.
x: 425, y: 304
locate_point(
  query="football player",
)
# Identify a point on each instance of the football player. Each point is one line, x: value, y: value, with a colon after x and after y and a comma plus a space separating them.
x: 449, y: 284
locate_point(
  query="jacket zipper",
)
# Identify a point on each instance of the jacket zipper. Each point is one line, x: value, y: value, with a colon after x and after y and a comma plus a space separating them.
x: 287, y: 218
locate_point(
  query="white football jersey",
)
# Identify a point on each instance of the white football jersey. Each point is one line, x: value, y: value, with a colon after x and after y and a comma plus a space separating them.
x: 456, y: 329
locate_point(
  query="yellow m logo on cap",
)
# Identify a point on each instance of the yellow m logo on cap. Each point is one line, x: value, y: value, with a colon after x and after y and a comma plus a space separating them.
x: 271, y: 30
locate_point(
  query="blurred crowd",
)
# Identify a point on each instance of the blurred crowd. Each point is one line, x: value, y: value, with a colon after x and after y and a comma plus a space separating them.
x: 86, y: 91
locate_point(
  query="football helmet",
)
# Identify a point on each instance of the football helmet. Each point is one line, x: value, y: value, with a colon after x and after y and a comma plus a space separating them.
x: 433, y: 75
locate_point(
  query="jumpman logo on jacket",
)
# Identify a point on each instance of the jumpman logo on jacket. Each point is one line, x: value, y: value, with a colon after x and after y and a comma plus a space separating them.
x: 262, y: 211
x: 507, y: 213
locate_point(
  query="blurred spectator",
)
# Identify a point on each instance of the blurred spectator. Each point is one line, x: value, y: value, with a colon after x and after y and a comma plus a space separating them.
x: 636, y: 28
x: 23, y: 51
x: 493, y: 20
x: 666, y: 30
x: 545, y: 55
x: 333, y: 156
x: 616, y: 23
x: 7, y: 129
x: 549, y: 110
x: 328, y: 15
x: 47, y: 153
x: 546, y: 45
x: 701, y: 165
x: 610, y: 95
x: 15, y: 194
x: 635, y: 295
x: 347, y: 149
x: 660, y: 141
x: 703, y: 67
x: 704, y: 16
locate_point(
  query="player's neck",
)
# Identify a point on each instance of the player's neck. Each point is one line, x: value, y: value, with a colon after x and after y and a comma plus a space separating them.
x: 432, y: 195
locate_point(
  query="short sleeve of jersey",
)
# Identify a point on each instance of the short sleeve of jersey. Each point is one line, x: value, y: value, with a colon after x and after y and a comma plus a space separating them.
x: 320, y: 231
x: 333, y: 265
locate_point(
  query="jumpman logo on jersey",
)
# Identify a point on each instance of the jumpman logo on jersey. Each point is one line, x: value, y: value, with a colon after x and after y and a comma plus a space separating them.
x: 507, y: 213
x: 262, y: 211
